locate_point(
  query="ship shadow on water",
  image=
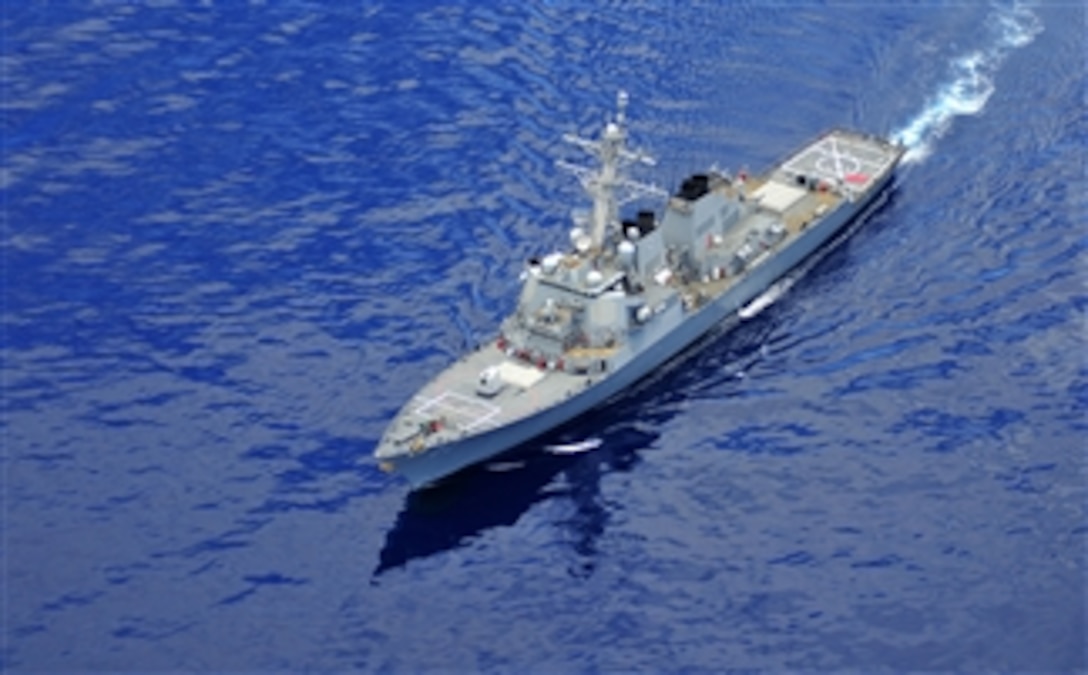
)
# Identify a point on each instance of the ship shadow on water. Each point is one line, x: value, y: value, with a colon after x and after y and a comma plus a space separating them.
x: 462, y: 507
x: 497, y: 494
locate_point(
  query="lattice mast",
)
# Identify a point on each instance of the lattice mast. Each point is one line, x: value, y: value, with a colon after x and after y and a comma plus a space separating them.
x: 603, y: 184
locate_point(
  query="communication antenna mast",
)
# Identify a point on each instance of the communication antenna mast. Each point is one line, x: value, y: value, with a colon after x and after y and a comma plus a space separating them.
x: 604, y: 183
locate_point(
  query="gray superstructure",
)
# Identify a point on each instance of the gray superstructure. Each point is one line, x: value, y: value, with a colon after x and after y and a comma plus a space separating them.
x: 629, y: 294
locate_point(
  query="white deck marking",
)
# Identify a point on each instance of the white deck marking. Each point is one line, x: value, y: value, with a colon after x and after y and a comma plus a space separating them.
x: 855, y: 161
x: 464, y: 412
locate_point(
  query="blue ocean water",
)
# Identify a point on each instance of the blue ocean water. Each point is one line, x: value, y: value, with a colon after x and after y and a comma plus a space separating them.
x: 237, y: 237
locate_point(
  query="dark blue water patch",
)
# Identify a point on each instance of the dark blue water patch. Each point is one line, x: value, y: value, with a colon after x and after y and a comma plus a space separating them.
x: 877, y: 563
x: 902, y: 378
x: 952, y: 431
x: 142, y: 629
x: 795, y: 558
x: 965, y: 348
x: 257, y: 581
x: 1027, y: 479
x: 69, y: 601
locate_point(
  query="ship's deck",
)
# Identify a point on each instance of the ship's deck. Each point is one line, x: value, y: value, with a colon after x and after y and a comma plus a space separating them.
x: 810, y: 183
x: 841, y: 158
x: 816, y: 180
x: 465, y: 412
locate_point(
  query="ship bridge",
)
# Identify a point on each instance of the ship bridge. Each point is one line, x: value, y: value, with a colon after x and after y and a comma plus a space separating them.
x: 588, y: 283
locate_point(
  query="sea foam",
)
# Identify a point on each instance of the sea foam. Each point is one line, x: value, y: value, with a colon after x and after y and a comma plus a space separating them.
x: 970, y: 81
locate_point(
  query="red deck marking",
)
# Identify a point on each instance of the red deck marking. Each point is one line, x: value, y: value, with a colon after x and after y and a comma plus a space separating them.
x: 857, y: 178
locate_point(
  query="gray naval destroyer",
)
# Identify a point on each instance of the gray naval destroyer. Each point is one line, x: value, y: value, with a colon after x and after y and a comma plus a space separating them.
x: 628, y: 294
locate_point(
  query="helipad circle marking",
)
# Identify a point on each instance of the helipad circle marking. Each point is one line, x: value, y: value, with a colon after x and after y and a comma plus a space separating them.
x: 847, y: 163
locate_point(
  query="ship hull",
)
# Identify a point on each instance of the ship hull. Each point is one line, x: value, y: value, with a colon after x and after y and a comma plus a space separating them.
x: 652, y: 352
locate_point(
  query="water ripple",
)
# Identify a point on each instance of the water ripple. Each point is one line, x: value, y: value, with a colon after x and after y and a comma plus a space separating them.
x: 239, y: 237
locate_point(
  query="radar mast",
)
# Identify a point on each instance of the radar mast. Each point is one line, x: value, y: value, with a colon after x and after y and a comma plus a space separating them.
x: 602, y: 185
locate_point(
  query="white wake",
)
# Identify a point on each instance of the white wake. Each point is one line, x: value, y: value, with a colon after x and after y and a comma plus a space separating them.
x: 574, y: 448
x: 970, y: 81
